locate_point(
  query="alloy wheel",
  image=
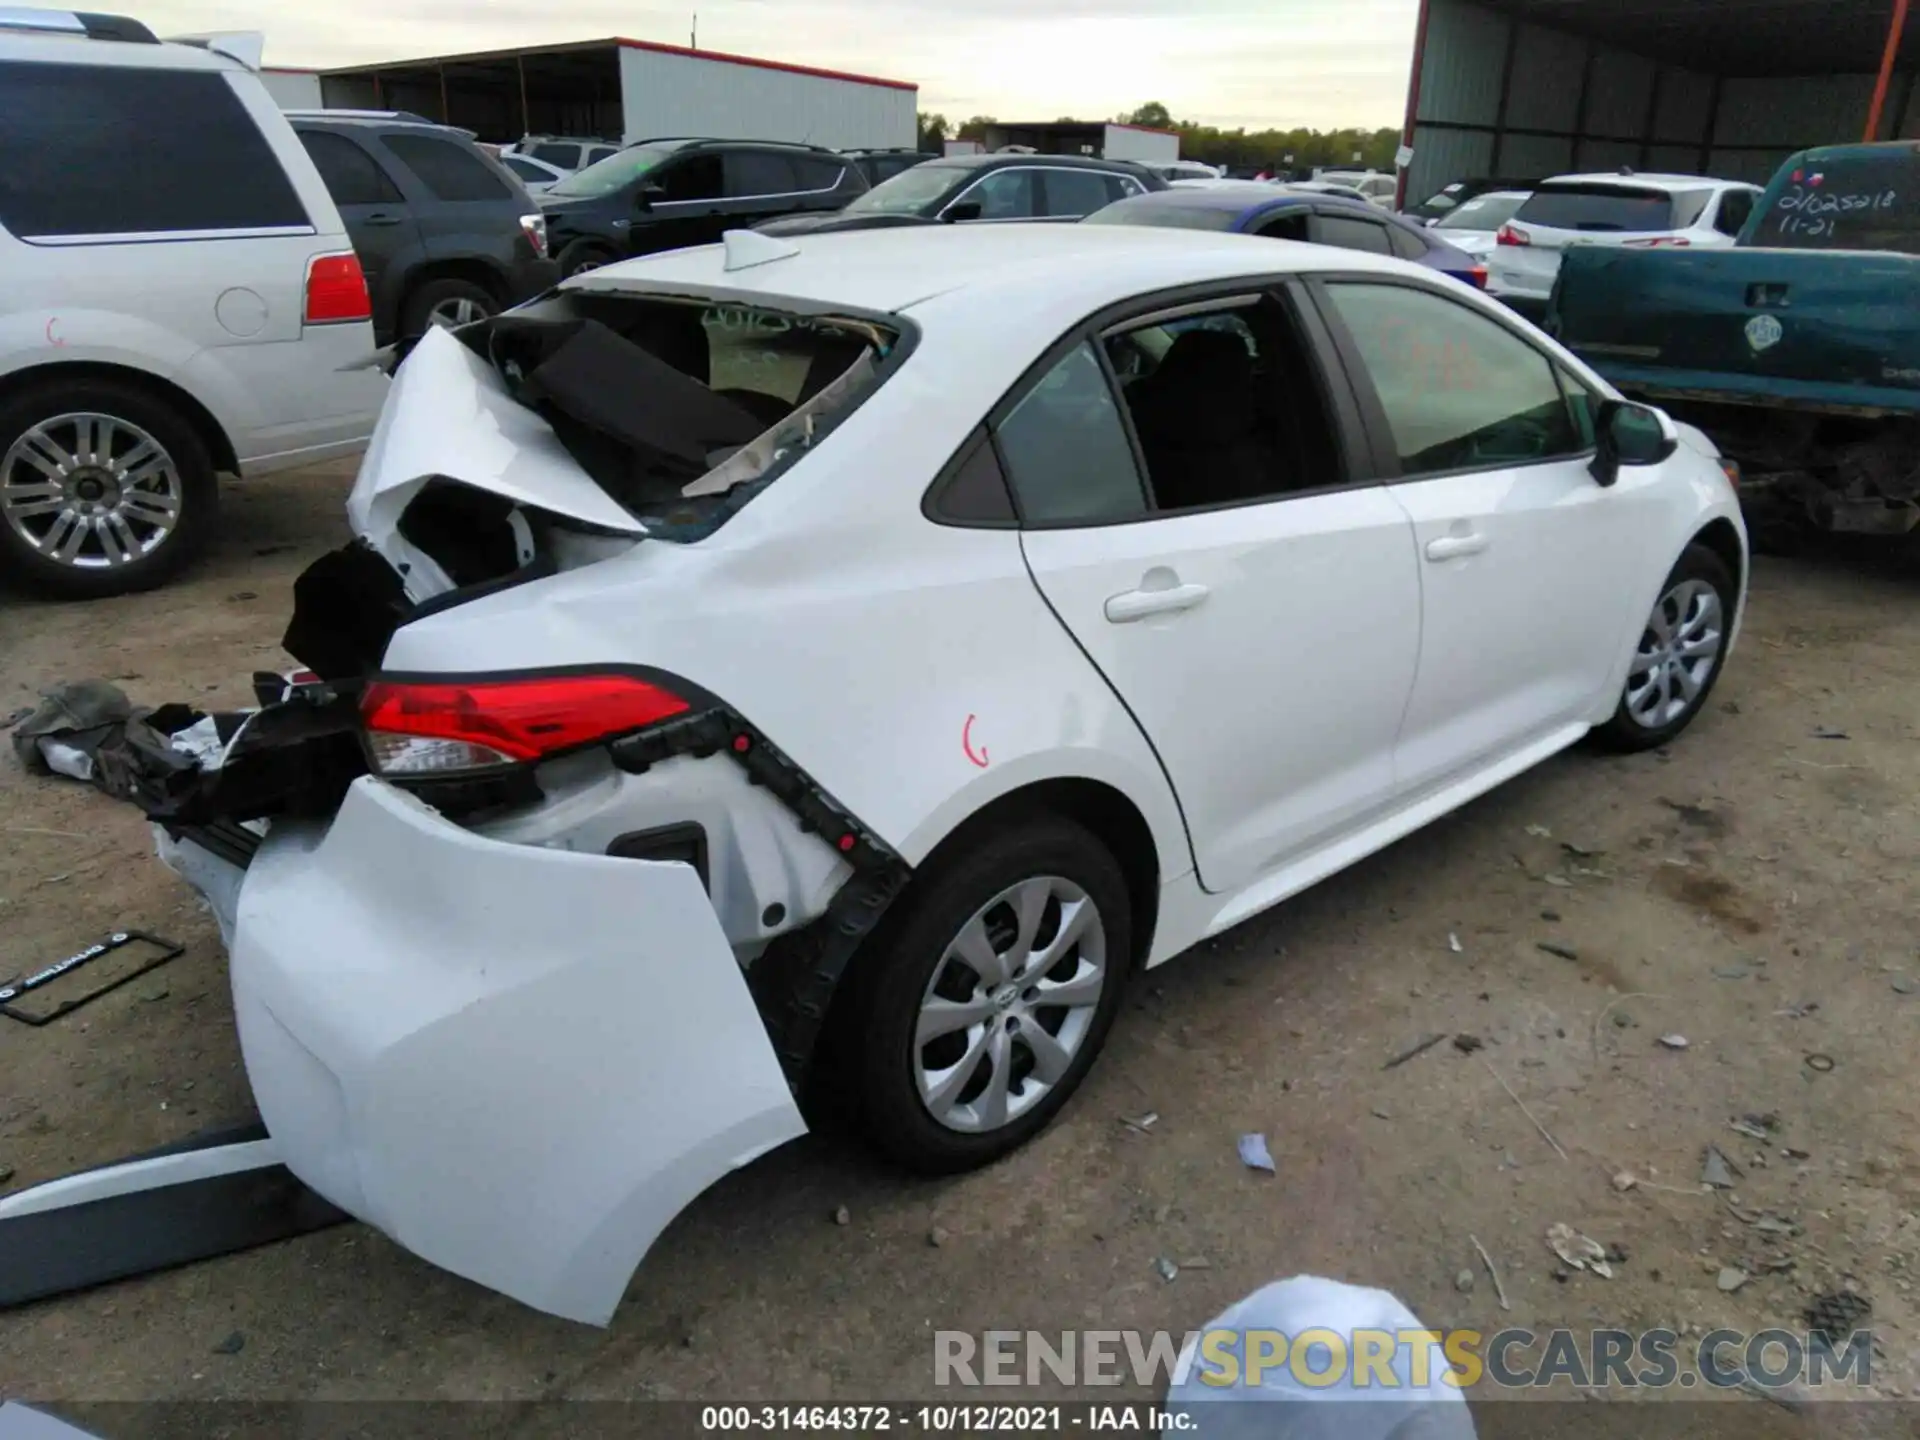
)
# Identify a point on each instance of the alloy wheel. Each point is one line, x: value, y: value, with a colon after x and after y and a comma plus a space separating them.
x: 90, y: 491
x: 1010, y: 1004
x: 1677, y: 655
x: 455, y: 311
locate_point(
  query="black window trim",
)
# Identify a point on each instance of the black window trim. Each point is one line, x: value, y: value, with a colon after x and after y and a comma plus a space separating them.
x: 1386, y: 452
x: 1352, y: 436
x: 931, y: 504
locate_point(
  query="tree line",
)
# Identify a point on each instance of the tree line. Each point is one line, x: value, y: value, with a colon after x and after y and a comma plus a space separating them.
x: 1299, y: 149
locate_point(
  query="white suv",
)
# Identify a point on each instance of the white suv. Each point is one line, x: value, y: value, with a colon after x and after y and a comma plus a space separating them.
x: 178, y: 298
x: 1618, y: 209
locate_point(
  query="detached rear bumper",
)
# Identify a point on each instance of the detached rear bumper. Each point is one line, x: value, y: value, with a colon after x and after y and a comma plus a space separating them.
x: 519, y: 1063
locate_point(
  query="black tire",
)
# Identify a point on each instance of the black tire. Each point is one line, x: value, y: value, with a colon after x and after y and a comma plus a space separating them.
x: 128, y: 404
x: 899, y: 963
x: 417, y: 314
x: 1629, y: 731
x: 584, y: 255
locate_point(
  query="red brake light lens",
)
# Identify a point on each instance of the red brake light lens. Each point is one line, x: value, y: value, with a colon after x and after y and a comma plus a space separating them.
x: 1512, y: 235
x: 337, y: 290
x: 1478, y: 275
x: 535, y: 229
x: 437, y: 727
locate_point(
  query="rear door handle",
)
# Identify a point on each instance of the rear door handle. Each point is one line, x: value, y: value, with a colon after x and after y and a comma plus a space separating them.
x: 382, y: 220
x: 1452, y: 547
x: 1124, y: 609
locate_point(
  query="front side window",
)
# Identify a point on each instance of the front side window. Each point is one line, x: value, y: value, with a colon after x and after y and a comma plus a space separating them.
x: 565, y: 157
x: 449, y: 170
x: 93, y: 150
x: 1073, y: 193
x: 1066, y: 450
x: 351, y: 175
x: 697, y: 177
x: 601, y: 152
x: 1004, y: 195
x: 616, y: 172
x: 911, y: 191
x: 1351, y: 233
x: 1460, y: 391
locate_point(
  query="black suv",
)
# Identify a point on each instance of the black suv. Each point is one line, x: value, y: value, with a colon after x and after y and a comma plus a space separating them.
x: 663, y: 194
x: 985, y: 187
x: 445, y: 233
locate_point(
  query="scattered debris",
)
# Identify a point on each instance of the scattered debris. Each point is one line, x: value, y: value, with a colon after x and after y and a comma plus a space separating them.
x: 1453, y: 943
x: 1540, y: 832
x: 1674, y: 1042
x: 1552, y: 917
x: 1197, y: 1262
x: 232, y: 1345
x: 1836, y: 1313
x: 1731, y: 972
x: 1773, y: 1225
x: 1254, y: 1154
x: 16, y: 717
x: 1622, y: 1020
x: 1563, y: 952
x: 1732, y: 1278
x: 1905, y: 985
x: 1381, y: 1113
x: 1463, y: 1282
x: 1793, y: 1154
x: 1560, y: 880
x: 1169, y: 1271
x: 1499, y: 1290
x: 1730, y: 707
x: 842, y: 1216
x: 1467, y: 1044
x: 1578, y: 1251
x: 11, y: 994
x: 241, y: 596
x: 1716, y: 1170
x: 1799, y: 1010
x: 1143, y: 1124
x: 1580, y: 852
x: 1823, y: 733
x: 6, y: 1174
x: 265, y: 550
x: 936, y: 1237
x: 1544, y: 1133
x: 1750, y: 1129
x: 1822, y: 1064
x: 1624, y: 1181
x: 1419, y: 1047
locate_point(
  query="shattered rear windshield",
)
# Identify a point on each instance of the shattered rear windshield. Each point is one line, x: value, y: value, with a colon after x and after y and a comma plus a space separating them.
x: 684, y: 410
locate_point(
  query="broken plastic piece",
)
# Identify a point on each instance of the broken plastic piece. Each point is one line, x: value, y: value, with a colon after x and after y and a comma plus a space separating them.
x: 1254, y: 1154
x: 1579, y: 1251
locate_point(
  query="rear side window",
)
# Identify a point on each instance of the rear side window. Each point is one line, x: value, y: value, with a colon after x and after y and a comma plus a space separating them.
x: 1735, y: 207
x: 1406, y: 244
x: 529, y: 172
x: 1350, y: 233
x: 567, y: 157
x: 811, y: 174
x: 1073, y: 193
x: 93, y: 150
x: 601, y: 152
x: 1066, y: 449
x: 1142, y: 211
x: 452, y: 172
x: 352, y: 176
x: 1598, y: 208
x: 756, y: 172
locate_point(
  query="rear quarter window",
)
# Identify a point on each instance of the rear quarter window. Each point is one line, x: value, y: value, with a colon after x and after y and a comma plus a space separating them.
x: 93, y: 150
x: 1600, y: 208
x: 449, y: 170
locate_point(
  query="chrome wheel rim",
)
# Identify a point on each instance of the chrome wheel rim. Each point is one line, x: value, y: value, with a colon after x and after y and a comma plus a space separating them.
x: 1678, y: 652
x: 90, y: 491
x: 581, y: 267
x: 459, y: 310
x: 1010, y: 1005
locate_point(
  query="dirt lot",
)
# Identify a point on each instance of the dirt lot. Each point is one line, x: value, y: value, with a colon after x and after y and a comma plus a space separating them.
x: 1751, y: 891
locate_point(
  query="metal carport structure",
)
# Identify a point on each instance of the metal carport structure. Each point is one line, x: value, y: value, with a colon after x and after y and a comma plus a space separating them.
x: 1719, y: 87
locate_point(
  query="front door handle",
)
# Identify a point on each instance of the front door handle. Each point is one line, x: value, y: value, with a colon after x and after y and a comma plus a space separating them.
x: 1452, y: 547
x: 1132, y: 605
x: 382, y: 220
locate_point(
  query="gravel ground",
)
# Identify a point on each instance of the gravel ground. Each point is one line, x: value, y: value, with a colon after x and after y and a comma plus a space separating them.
x: 1751, y: 891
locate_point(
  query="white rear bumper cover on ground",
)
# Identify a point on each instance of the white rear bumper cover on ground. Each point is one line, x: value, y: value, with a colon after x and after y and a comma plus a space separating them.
x: 519, y: 1063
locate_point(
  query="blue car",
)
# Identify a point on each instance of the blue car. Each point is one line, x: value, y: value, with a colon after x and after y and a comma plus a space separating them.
x: 1256, y: 208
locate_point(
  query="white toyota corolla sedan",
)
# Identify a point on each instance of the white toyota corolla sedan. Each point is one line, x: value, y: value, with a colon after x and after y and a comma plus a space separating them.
x: 856, y: 656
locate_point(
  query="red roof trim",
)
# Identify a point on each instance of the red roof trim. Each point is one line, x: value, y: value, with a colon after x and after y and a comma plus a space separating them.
x: 725, y: 59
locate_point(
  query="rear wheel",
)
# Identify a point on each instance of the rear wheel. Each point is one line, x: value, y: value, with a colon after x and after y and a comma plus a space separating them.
x: 446, y: 304
x: 105, y: 488
x: 989, y: 993
x: 1679, y: 656
x: 582, y: 256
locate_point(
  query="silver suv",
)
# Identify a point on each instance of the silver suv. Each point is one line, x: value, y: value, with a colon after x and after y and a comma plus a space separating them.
x: 178, y: 299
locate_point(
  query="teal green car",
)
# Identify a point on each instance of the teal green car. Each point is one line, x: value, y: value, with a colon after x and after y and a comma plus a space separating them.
x: 1798, y: 349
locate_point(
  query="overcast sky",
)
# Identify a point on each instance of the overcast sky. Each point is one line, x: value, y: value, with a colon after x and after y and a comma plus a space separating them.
x: 1323, y: 63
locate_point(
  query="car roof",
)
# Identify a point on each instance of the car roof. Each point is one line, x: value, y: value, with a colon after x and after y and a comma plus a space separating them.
x: 309, y: 119
x: 1244, y: 197
x: 1641, y: 182
x: 1076, y: 162
x: 61, y: 48
x: 1059, y: 273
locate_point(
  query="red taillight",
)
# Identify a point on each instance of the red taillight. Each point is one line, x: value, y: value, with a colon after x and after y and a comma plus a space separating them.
x: 433, y: 727
x: 1478, y: 275
x: 1512, y: 235
x: 336, y: 290
x: 535, y: 229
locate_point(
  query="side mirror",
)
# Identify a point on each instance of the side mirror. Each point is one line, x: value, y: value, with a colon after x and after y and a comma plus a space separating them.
x: 1630, y: 434
x: 644, y: 197
x: 954, y: 214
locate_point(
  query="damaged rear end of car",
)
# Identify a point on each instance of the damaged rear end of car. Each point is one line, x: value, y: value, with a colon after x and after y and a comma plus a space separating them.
x: 531, y: 943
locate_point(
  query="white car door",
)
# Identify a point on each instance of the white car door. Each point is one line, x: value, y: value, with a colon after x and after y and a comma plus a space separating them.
x: 1531, y: 569
x: 1252, y: 598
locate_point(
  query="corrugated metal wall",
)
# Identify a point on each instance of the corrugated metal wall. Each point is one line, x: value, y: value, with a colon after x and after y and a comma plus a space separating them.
x: 670, y: 94
x: 1501, y: 98
x: 293, y: 89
